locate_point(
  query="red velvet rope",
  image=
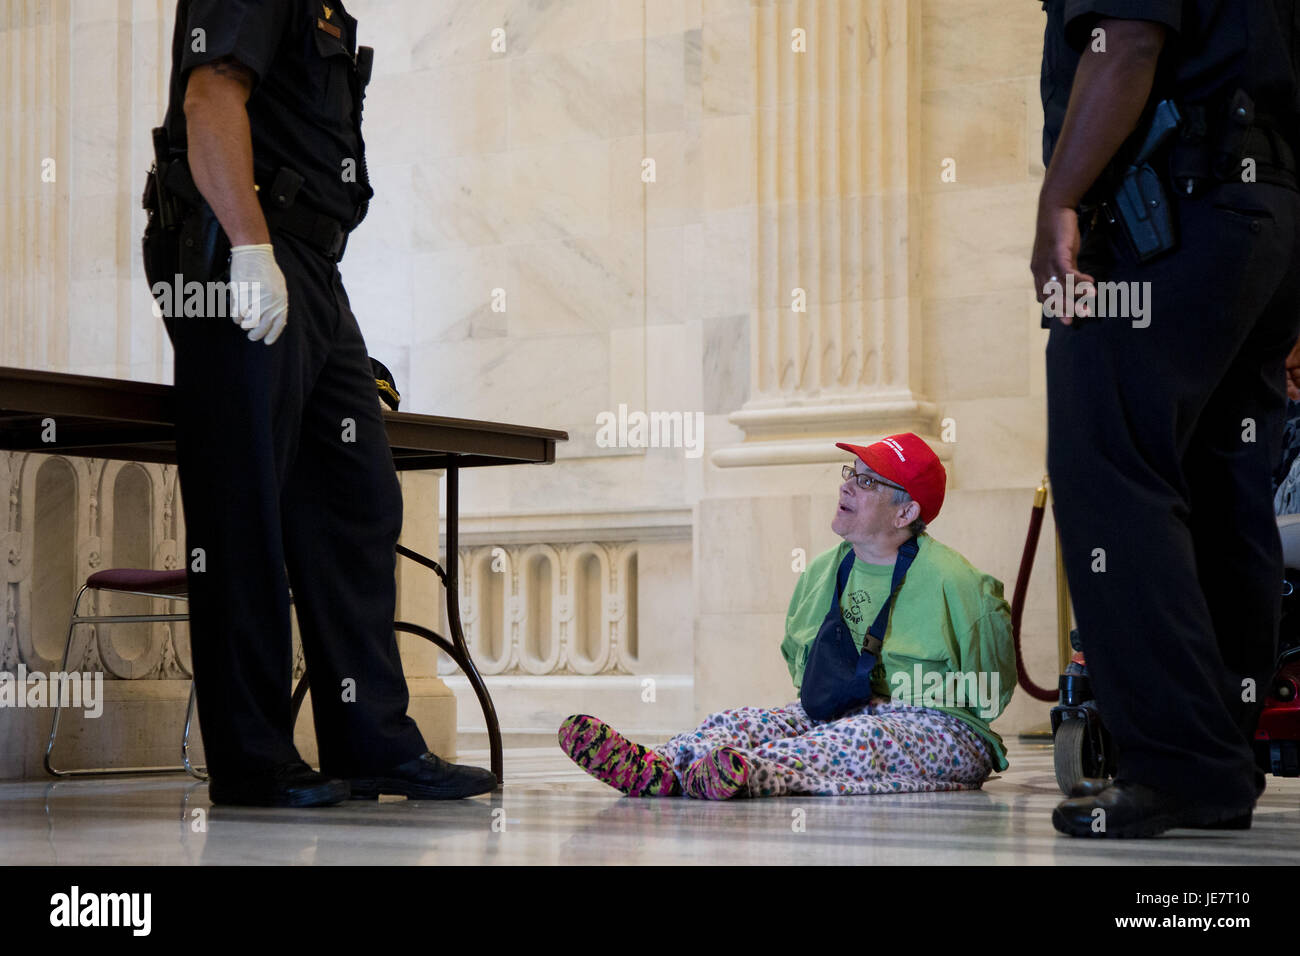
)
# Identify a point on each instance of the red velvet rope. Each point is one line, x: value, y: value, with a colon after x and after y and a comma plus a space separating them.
x: 1018, y: 605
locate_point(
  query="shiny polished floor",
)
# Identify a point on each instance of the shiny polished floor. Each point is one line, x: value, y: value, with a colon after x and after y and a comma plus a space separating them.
x: 550, y: 812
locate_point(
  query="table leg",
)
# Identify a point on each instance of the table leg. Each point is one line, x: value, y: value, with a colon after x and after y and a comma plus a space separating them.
x: 453, y: 621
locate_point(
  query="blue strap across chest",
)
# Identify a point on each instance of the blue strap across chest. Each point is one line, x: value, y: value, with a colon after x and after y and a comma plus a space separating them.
x: 906, y: 554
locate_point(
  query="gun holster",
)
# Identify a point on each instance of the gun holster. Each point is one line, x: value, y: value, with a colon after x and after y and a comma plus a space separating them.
x: 159, y: 247
x: 203, y: 251
x: 1141, y: 203
x: 1144, y: 209
x: 159, y: 244
x: 182, y: 235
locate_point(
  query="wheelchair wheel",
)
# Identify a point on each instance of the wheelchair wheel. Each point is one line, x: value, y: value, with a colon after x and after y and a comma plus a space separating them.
x: 1075, y: 755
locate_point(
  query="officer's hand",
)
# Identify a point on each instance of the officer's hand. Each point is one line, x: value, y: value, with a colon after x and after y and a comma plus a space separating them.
x: 1056, y: 248
x: 1293, y: 374
x: 263, y: 307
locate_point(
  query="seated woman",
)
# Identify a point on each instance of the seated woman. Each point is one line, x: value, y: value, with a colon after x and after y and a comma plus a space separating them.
x: 946, y: 666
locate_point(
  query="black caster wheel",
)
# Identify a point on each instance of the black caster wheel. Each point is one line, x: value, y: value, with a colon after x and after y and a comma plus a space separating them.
x: 1075, y: 755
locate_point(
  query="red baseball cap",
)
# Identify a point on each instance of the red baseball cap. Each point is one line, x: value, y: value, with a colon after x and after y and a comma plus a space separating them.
x: 908, y: 461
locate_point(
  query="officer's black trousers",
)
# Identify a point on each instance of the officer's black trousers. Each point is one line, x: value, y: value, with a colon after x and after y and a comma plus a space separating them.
x: 284, y: 464
x: 1161, y: 443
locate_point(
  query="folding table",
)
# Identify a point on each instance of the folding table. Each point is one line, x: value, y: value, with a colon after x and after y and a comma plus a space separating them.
x: 133, y: 421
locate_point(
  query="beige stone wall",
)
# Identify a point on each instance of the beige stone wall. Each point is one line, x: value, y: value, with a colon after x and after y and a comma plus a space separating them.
x: 515, y: 178
x: 982, y: 343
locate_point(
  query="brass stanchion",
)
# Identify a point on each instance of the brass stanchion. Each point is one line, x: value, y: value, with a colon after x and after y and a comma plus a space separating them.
x: 1063, y: 616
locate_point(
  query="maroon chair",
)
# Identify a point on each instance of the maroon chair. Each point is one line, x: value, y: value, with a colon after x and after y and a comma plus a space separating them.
x: 168, y: 585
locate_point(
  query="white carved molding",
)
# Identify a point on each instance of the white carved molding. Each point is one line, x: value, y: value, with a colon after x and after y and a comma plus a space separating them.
x: 549, y: 608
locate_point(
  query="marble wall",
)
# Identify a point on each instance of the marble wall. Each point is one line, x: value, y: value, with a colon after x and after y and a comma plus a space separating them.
x: 584, y: 205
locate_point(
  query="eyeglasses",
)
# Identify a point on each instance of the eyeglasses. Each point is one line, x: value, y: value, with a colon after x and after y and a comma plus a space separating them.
x: 867, y: 482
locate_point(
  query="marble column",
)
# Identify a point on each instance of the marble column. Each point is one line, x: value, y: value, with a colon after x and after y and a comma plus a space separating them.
x: 834, y: 322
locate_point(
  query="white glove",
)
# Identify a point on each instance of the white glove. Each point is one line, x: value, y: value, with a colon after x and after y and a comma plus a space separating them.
x: 259, y: 298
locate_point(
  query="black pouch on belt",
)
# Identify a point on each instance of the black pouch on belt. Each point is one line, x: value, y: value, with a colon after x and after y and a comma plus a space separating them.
x: 1235, y: 131
x: 1191, y: 166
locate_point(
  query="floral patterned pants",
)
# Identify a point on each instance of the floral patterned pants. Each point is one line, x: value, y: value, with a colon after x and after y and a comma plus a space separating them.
x: 879, y: 747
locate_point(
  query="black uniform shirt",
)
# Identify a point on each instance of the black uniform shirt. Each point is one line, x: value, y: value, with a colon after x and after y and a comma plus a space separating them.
x: 1212, y: 48
x: 305, y: 110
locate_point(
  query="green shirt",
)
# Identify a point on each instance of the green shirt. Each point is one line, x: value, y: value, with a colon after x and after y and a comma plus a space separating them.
x: 948, y: 644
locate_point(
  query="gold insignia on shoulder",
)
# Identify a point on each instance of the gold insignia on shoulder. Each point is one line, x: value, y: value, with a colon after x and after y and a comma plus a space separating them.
x: 328, y: 12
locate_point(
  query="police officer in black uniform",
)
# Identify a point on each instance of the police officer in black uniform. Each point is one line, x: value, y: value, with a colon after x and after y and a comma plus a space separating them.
x: 1164, y: 428
x: 283, y: 456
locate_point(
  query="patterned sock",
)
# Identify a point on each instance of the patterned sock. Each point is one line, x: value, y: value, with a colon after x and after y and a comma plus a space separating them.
x: 719, y: 775
x: 611, y: 758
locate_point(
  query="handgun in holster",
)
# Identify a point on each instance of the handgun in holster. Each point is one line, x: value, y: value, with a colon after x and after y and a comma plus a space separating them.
x: 1141, y: 202
x: 166, y: 213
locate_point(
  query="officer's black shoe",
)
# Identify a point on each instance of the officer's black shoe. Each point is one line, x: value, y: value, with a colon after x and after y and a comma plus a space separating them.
x: 1126, y: 809
x: 1090, y: 786
x: 289, y: 785
x: 427, y: 777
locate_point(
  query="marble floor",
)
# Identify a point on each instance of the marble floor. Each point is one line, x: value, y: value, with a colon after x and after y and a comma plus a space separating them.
x: 550, y: 812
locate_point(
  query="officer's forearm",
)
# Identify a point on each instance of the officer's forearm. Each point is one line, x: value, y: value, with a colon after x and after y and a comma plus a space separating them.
x: 1106, y: 101
x: 220, y: 149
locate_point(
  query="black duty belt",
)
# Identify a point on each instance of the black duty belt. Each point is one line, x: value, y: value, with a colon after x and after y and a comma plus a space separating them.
x: 1273, y: 157
x: 278, y: 200
x: 1205, y: 152
x: 327, y: 236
